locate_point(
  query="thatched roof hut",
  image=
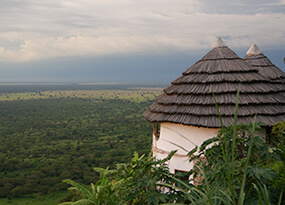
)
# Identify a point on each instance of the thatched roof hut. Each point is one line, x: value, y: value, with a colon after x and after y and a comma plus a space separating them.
x: 189, y: 100
x: 257, y: 59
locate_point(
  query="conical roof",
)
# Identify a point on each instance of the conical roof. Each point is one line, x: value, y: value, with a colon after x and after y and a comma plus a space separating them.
x: 257, y: 59
x: 189, y: 99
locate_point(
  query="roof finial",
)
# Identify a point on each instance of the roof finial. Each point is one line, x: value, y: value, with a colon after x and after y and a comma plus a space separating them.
x: 253, y: 50
x: 219, y: 43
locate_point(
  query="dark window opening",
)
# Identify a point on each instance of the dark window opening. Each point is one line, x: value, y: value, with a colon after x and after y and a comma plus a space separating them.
x: 182, y: 175
x: 156, y: 130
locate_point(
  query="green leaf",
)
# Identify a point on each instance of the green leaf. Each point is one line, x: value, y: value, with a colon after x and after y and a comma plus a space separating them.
x: 83, y: 202
x: 261, y: 173
x: 208, y: 142
x: 80, y: 188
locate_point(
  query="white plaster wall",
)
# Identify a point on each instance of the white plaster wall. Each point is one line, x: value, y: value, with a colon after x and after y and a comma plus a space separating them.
x: 176, y: 163
x: 174, y: 136
x: 187, y: 137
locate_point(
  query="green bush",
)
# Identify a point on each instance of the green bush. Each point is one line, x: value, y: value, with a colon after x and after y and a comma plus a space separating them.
x: 131, y: 183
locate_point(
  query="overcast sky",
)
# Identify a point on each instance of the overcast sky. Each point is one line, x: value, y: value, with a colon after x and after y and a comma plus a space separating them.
x: 125, y: 40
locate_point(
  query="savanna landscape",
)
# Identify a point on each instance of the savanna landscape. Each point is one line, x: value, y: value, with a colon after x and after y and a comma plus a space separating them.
x: 51, y: 135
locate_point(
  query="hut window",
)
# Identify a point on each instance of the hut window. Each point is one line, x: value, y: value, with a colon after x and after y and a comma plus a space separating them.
x: 267, y: 134
x: 156, y: 130
x: 182, y: 175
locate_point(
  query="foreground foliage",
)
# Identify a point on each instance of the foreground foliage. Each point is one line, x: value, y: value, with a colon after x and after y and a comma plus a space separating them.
x: 131, y: 183
x: 238, y: 171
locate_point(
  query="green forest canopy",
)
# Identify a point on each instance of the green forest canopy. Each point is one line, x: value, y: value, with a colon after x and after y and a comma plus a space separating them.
x: 49, y: 136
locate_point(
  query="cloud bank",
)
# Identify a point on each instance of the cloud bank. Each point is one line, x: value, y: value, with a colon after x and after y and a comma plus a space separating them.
x: 32, y: 30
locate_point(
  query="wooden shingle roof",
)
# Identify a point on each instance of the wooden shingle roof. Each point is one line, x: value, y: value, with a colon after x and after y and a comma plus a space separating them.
x: 189, y: 99
x: 257, y: 59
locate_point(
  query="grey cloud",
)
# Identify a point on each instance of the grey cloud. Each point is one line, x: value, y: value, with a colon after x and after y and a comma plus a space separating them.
x: 243, y: 7
x: 47, y: 28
